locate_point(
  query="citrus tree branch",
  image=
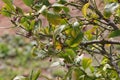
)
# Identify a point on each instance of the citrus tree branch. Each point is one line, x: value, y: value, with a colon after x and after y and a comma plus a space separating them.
x: 100, y: 42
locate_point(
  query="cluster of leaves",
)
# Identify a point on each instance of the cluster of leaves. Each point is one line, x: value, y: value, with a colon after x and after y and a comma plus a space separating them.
x: 69, y: 37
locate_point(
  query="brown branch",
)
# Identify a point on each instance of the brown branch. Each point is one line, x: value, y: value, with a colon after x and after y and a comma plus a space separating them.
x: 99, y: 42
x: 114, y: 64
x: 110, y: 22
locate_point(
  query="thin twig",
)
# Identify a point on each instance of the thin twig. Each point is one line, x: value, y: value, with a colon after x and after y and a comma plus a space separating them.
x: 100, y: 42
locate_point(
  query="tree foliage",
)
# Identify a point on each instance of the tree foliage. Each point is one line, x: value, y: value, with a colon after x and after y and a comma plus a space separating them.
x: 92, y: 31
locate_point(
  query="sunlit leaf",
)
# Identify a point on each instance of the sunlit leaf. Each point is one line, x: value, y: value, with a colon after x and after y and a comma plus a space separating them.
x: 58, y: 46
x: 52, y: 17
x: 19, y: 10
x: 45, y: 2
x: 86, y: 62
x: 84, y: 9
x: 36, y: 75
x: 38, y: 24
x: 43, y: 8
x: 62, y: 1
x: 59, y: 30
x: 9, y: 3
x: 28, y: 2
x: 5, y: 12
x: 58, y: 7
x: 68, y: 55
x: 75, y: 42
x: 115, y: 33
x: 109, y: 9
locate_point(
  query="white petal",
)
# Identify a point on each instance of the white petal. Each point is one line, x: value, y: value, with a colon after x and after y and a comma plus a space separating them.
x: 55, y: 64
x: 19, y: 78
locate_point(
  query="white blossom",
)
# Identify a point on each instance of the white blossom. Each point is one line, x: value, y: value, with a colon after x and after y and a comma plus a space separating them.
x: 79, y: 58
x: 19, y: 78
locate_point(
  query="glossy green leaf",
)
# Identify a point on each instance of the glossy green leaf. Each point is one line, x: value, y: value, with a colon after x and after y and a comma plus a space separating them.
x: 115, y: 33
x: 86, y: 62
x: 110, y: 1
x: 38, y: 24
x: 68, y: 55
x: 52, y: 17
x: 104, y: 60
x: 76, y: 41
x: 109, y: 9
x: 62, y: 1
x: 66, y: 9
x: 92, y: 69
x: 26, y: 25
x: 36, y: 75
x: 45, y: 2
x: 107, y: 14
x: 32, y: 25
x: 28, y: 2
x: 76, y: 73
x: 19, y: 10
x: 58, y: 7
x: 59, y: 30
x: 9, y: 3
x: 42, y: 9
x: 5, y: 12
x: 23, y: 19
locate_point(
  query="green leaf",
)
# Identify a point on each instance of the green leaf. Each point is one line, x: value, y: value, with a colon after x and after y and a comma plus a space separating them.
x: 84, y: 9
x: 59, y: 30
x: 19, y: 10
x: 28, y: 2
x: 86, y: 62
x: 31, y: 75
x: 42, y: 9
x: 36, y: 75
x: 107, y: 14
x: 104, y: 60
x: 109, y: 9
x: 5, y: 12
x: 110, y: 1
x: 62, y: 1
x: 77, y: 73
x: 68, y: 55
x: 76, y: 41
x: 58, y: 7
x: 66, y: 9
x: 38, y: 24
x: 115, y: 33
x: 92, y: 69
x: 9, y: 3
x: 32, y: 25
x: 45, y: 2
x: 52, y: 17
x: 26, y: 25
